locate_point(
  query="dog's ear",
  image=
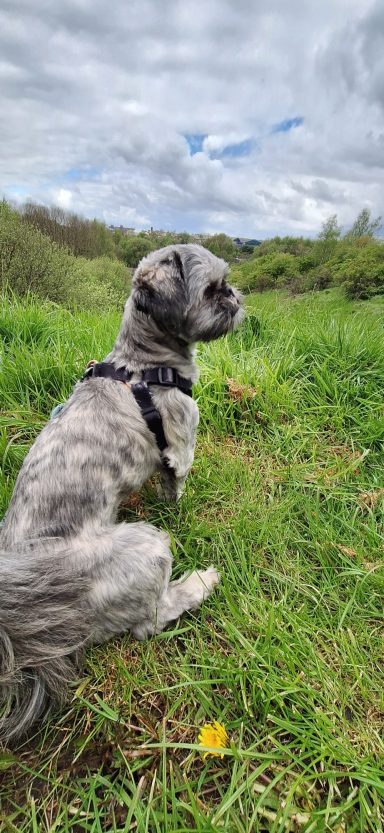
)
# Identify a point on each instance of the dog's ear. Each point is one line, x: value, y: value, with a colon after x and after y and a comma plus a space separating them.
x: 159, y: 290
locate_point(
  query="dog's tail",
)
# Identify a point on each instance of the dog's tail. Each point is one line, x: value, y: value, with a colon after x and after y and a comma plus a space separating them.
x: 44, y: 627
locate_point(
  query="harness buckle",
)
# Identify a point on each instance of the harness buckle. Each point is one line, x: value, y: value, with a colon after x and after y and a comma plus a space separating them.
x: 166, y: 375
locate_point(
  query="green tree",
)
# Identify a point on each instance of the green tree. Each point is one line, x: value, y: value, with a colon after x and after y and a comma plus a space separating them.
x: 134, y: 248
x: 364, y: 225
x: 183, y: 237
x: 361, y: 272
x: 31, y: 261
x: 330, y: 230
x: 88, y: 238
x: 221, y: 245
x: 327, y: 240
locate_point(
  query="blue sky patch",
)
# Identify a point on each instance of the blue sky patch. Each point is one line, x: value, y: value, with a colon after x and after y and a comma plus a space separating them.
x: 234, y: 151
x: 195, y: 142
x: 16, y: 191
x: 287, y: 124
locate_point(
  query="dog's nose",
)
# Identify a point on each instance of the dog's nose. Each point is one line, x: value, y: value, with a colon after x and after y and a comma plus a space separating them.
x: 234, y: 302
x: 227, y: 291
x: 237, y: 297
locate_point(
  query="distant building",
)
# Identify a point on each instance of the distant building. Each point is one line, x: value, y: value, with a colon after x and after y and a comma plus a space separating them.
x: 127, y: 231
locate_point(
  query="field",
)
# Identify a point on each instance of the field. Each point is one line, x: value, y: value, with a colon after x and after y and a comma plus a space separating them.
x: 286, y: 497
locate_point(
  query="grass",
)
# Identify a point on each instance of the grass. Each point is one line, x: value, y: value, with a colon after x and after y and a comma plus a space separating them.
x: 286, y: 497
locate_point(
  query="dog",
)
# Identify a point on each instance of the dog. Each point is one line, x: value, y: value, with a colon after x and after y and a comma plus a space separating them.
x: 70, y: 574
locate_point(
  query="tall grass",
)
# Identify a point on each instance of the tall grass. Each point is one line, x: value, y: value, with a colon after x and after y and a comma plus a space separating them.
x: 286, y: 497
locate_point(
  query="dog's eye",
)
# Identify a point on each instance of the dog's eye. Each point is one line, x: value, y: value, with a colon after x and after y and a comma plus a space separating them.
x: 211, y: 290
x: 226, y: 290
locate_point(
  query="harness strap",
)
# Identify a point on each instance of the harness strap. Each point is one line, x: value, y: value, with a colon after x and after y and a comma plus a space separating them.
x: 163, y: 376
x: 166, y: 377
x: 105, y: 370
x: 150, y: 413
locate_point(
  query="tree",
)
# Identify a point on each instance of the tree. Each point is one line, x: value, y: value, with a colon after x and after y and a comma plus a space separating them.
x: 362, y: 273
x: 327, y: 241
x: 183, y: 237
x: 330, y: 230
x: 88, y: 238
x: 134, y: 248
x: 364, y: 226
x: 221, y: 246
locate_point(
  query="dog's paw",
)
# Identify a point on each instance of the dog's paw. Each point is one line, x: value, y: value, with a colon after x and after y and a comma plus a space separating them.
x: 210, y: 578
x: 166, y: 493
x: 200, y: 584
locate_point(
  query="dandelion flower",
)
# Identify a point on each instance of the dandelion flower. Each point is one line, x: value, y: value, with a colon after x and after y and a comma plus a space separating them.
x: 213, y: 734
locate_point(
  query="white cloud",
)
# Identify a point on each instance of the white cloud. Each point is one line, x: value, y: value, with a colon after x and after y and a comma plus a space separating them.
x: 63, y: 198
x: 98, y: 100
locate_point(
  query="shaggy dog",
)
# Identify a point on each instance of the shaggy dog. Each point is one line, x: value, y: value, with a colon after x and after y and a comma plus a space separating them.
x: 70, y: 575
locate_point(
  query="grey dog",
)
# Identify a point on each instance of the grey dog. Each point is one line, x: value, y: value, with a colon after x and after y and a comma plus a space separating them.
x: 70, y: 575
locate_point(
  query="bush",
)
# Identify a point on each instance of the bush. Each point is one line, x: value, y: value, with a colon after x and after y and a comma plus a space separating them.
x: 31, y: 262
x: 271, y: 271
x: 87, y: 238
x: 134, y: 248
x: 306, y: 263
x: 319, y: 278
x: 323, y: 278
x: 221, y: 246
x: 98, y: 284
x: 358, y: 265
x: 299, y: 284
x: 297, y: 246
x: 362, y: 271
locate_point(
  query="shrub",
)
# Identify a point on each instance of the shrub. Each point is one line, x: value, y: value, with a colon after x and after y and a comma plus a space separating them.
x: 306, y: 262
x: 323, y: 277
x: 318, y: 278
x: 87, y: 238
x: 273, y: 270
x: 31, y: 262
x: 134, y: 248
x: 98, y: 284
x: 221, y: 246
x: 362, y: 271
x: 285, y: 245
x: 298, y: 285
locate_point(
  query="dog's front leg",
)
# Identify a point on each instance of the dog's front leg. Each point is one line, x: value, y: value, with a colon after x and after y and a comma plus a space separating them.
x: 171, y: 486
x: 174, y: 471
x: 178, y: 456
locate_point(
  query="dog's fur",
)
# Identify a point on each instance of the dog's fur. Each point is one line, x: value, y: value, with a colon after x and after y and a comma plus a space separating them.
x: 69, y: 574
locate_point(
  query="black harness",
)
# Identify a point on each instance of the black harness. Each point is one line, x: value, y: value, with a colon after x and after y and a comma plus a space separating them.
x: 166, y: 377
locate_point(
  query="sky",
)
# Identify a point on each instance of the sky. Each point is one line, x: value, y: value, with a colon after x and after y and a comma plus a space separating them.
x: 249, y: 117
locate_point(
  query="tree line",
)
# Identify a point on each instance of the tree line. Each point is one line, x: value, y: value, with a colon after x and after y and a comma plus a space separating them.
x: 66, y: 258
x: 353, y: 260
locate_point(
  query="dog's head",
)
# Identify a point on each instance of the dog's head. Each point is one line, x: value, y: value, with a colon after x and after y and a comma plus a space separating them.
x: 184, y: 289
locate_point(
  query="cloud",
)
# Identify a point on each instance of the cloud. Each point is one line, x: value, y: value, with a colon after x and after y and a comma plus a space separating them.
x: 63, y: 197
x: 253, y: 119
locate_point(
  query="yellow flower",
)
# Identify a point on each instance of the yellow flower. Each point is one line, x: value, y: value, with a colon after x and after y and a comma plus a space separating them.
x: 213, y: 734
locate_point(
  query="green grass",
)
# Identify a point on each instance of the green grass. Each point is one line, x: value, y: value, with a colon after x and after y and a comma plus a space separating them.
x: 286, y: 498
